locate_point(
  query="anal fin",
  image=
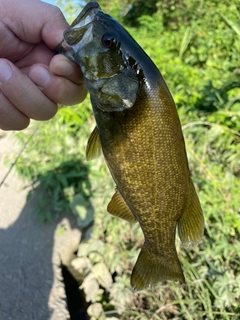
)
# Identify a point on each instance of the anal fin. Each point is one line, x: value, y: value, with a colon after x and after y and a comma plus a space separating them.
x: 191, y: 224
x: 94, y: 148
x: 118, y: 207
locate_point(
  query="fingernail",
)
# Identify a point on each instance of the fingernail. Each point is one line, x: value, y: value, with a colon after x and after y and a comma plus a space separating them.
x: 5, y: 71
x: 40, y: 76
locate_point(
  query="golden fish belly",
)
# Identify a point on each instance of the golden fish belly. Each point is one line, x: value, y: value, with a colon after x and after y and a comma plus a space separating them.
x: 145, y: 152
x: 148, y: 162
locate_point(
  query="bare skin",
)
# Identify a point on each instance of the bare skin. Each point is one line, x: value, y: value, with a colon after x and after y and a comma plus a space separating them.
x: 33, y: 80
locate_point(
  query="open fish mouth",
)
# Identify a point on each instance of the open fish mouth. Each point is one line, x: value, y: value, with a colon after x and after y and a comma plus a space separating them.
x: 86, y: 16
x: 81, y: 25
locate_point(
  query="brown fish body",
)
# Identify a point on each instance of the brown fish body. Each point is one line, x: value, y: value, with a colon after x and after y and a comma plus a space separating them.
x: 145, y: 153
x: 141, y: 138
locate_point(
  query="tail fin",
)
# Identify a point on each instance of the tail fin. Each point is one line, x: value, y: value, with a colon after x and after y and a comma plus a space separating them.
x: 191, y: 224
x: 151, y: 268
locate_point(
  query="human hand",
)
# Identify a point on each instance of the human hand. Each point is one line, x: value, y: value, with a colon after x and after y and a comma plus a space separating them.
x: 32, y: 78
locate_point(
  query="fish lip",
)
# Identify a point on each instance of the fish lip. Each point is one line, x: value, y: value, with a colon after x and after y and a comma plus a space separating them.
x: 80, y: 25
x: 86, y: 15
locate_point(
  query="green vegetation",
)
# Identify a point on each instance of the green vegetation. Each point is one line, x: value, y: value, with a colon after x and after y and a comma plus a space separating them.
x: 196, y: 46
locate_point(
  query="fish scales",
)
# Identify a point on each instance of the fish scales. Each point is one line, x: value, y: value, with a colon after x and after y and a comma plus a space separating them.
x: 139, y: 133
x: 150, y: 202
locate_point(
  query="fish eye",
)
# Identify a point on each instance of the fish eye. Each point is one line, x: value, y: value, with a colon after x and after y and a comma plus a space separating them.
x: 109, y: 41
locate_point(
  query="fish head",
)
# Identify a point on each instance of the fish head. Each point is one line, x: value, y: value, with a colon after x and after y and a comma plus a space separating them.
x: 100, y: 45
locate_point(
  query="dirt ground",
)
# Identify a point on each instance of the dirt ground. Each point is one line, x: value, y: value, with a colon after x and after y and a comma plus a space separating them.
x: 31, y: 285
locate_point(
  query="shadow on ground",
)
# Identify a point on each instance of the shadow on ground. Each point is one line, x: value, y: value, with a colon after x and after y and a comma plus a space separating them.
x: 32, y: 257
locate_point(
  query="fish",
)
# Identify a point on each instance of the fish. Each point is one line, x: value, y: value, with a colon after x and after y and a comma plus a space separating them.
x: 139, y: 133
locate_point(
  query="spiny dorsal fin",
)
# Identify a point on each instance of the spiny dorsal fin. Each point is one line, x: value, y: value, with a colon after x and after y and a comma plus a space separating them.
x: 94, y: 148
x: 191, y: 224
x: 118, y: 207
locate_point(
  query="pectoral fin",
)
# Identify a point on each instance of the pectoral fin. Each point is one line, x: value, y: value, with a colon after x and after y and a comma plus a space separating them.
x: 118, y: 207
x: 94, y: 148
x: 191, y: 224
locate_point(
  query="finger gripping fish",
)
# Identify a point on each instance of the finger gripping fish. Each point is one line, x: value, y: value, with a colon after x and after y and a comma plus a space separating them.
x: 139, y: 133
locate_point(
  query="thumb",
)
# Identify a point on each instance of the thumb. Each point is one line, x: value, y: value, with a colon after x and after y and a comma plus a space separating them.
x: 62, y: 66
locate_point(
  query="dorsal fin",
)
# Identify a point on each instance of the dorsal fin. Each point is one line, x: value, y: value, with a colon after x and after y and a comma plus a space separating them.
x: 94, y: 148
x: 118, y: 207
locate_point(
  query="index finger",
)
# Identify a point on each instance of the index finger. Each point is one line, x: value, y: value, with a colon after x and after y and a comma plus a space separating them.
x: 33, y: 21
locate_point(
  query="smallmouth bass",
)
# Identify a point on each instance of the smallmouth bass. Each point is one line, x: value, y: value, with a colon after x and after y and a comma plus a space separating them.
x: 139, y: 133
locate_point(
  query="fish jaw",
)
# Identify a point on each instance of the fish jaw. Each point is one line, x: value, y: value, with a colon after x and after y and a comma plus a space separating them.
x: 108, y: 73
x: 83, y: 45
x: 86, y: 15
x: 79, y: 32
